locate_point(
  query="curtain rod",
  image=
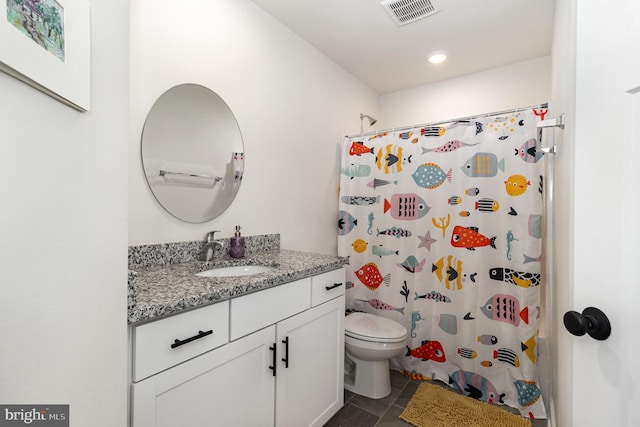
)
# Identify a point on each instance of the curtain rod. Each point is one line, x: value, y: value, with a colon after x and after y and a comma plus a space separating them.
x: 462, y: 119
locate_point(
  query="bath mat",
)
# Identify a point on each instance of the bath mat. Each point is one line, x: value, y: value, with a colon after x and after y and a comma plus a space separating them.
x: 434, y: 406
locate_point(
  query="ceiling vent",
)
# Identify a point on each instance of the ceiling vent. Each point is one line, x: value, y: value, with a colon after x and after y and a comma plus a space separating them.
x: 403, y: 12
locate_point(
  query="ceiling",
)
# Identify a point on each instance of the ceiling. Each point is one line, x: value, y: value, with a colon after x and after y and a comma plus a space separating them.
x: 478, y: 35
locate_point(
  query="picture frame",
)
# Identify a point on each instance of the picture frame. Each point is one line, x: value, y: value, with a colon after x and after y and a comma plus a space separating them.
x: 46, y: 44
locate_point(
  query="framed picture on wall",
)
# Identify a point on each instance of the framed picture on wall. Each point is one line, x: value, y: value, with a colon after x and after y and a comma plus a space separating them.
x: 46, y: 44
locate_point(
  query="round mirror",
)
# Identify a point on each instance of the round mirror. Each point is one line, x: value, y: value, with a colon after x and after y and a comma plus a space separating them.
x: 192, y: 153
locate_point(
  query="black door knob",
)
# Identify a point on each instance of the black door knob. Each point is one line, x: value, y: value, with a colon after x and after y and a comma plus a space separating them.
x: 592, y: 321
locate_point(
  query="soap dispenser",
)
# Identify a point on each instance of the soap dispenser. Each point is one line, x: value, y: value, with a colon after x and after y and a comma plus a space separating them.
x: 236, y: 245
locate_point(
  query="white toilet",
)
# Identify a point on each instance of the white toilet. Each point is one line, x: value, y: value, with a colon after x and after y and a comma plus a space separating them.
x: 370, y: 341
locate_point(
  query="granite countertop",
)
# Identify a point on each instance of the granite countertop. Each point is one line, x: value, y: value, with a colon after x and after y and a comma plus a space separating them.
x: 163, y: 290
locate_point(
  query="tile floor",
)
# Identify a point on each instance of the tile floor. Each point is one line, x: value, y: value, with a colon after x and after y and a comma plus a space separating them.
x: 360, y: 411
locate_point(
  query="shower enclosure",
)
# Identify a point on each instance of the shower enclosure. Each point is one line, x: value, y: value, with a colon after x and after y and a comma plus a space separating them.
x: 443, y: 225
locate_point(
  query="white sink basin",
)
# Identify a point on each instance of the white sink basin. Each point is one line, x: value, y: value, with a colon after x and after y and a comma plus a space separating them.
x: 236, y: 270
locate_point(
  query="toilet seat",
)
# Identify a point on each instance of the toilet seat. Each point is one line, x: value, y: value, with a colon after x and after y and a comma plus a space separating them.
x: 369, y: 327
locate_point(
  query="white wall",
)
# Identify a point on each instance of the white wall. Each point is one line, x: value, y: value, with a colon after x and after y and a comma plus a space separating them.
x: 293, y: 106
x: 517, y: 85
x: 63, y: 269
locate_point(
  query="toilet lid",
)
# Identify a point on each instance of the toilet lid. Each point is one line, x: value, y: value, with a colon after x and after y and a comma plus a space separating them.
x: 370, y: 327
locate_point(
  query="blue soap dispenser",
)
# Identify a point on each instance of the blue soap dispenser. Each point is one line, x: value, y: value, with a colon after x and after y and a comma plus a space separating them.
x: 236, y: 245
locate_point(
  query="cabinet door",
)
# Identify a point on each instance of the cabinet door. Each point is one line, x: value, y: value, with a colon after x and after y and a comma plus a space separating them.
x: 229, y: 386
x: 310, y: 389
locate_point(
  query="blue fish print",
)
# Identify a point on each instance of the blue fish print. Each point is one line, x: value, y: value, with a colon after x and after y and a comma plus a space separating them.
x: 360, y: 200
x: 346, y: 223
x: 483, y: 165
x: 356, y: 170
x: 412, y: 265
x: 395, y: 231
x: 415, y: 317
x: 530, y: 151
x: 430, y: 175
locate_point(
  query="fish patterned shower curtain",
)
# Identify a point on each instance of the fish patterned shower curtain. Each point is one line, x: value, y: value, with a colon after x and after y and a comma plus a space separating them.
x: 443, y: 229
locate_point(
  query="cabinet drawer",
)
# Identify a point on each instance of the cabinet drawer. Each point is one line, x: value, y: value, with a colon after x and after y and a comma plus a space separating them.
x: 164, y: 343
x: 255, y: 311
x: 327, y: 286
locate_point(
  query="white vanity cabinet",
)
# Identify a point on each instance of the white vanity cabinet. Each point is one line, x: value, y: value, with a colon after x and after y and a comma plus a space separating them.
x: 283, y: 364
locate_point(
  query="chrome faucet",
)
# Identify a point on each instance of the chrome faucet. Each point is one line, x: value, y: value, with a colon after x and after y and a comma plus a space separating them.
x: 209, y: 249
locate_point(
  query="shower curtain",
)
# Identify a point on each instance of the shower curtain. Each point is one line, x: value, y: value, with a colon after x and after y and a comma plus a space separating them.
x: 443, y: 229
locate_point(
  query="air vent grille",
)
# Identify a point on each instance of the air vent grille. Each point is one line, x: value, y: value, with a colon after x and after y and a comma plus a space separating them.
x: 403, y: 12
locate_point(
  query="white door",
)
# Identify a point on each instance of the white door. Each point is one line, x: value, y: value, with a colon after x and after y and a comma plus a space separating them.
x: 606, y: 374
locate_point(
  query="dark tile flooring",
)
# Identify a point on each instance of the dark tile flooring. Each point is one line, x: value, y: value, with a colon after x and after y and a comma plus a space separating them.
x: 360, y: 411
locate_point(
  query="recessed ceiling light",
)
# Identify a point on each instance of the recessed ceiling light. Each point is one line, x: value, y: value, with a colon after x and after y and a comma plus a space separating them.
x: 437, y: 57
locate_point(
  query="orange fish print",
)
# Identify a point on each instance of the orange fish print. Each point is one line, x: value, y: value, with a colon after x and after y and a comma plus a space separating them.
x: 370, y: 276
x: 429, y: 350
x: 469, y: 238
x: 358, y: 148
x: 415, y: 376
